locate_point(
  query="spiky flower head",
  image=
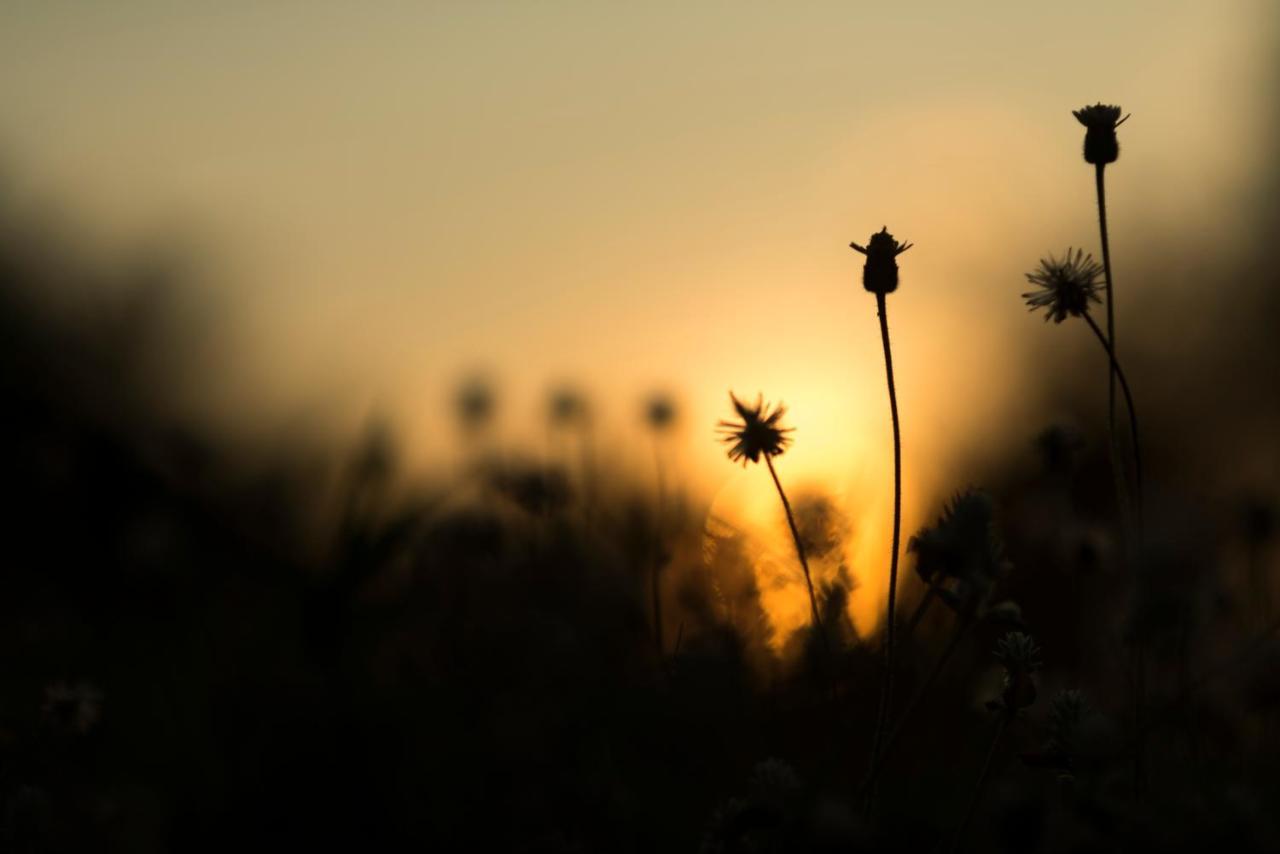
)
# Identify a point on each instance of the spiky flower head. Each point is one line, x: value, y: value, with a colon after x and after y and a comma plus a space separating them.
x: 1021, y: 659
x: 880, y: 272
x: 1100, y: 121
x: 963, y: 543
x: 758, y: 433
x: 659, y: 412
x: 1066, y: 285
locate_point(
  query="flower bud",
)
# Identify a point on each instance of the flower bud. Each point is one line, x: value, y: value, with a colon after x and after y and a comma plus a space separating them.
x: 880, y: 273
x: 1100, y: 121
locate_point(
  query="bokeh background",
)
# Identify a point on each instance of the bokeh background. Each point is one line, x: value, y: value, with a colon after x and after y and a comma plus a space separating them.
x: 288, y: 230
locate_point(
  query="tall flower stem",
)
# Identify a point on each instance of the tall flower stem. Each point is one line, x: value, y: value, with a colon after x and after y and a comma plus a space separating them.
x: 976, y: 797
x: 886, y: 688
x: 1118, y: 373
x: 1100, y: 171
x: 804, y: 561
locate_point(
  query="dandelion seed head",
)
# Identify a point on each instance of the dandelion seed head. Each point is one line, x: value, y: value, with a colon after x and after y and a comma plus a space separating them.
x: 1066, y: 286
x: 880, y: 272
x: 758, y: 433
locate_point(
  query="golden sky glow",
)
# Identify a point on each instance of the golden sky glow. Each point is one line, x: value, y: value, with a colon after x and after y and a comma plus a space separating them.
x: 630, y: 197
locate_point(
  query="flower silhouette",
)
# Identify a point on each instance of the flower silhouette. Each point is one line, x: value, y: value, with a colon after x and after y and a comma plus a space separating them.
x: 1100, y: 121
x: 759, y: 433
x: 1066, y: 286
x: 880, y: 272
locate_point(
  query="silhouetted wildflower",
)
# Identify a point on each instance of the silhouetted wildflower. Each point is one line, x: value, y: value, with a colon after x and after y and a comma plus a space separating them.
x: 1067, y: 286
x: 880, y: 272
x: 1020, y: 655
x: 759, y: 432
x: 1101, y: 121
x: 962, y: 543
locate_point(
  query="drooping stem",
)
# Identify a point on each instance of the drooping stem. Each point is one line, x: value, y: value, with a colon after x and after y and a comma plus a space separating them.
x: 886, y: 688
x: 1128, y: 400
x: 804, y: 561
x: 976, y: 797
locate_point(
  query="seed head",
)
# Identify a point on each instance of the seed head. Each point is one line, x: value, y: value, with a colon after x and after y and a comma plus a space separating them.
x: 659, y: 412
x: 963, y: 543
x: 759, y: 431
x: 880, y: 272
x: 1066, y: 286
x: 1100, y: 121
x: 1021, y: 659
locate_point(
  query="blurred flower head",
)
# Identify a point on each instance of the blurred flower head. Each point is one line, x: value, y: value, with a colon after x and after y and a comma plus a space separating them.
x: 758, y: 433
x: 963, y: 543
x: 568, y: 407
x: 880, y: 272
x: 475, y: 404
x: 1066, y: 286
x: 1100, y: 121
x: 660, y: 412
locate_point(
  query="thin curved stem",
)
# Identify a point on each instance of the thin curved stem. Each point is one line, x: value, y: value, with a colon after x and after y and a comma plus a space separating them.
x: 804, y: 561
x: 1128, y: 400
x: 886, y: 689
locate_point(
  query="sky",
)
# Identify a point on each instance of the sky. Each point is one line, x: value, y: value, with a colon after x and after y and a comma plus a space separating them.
x: 384, y: 198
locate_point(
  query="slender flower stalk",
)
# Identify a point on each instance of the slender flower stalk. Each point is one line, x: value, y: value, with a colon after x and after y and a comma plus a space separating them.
x: 760, y: 434
x: 1100, y: 148
x: 659, y: 414
x: 880, y: 277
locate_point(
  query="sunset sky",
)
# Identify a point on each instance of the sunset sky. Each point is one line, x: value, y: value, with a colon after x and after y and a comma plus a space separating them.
x: 387, y: 197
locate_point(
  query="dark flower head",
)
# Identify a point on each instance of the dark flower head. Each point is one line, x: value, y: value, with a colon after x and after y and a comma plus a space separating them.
x: 1067, y: 286
x: 568, y: 407
x: 475, y: 404
x: 880, y: 272
x: 758, y: 433
x: 963, y: 543
x: 1021, y: 659
x: 1101, y: 121
x: 660, y: 412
